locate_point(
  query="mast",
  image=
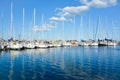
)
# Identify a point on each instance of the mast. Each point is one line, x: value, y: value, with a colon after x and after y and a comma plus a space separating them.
x: 34, y: 23
x: 2, y: 27
x: 106, y: 28
x: 23, y: 22
x: 63, y: 30
x: 11, y: 22
x: 112, y: 30
x: 89, y: 28
x: 79, y: 37
x: 42, y: 19
x: 97, y: 29
x: 34, y: 16
x: 73, y: 27
x: 42, y: 26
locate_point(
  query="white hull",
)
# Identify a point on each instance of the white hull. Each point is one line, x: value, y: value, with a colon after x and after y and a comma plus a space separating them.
x: 1, y: 47
x: 14, y: 46
x: 94, y: 44
x: 67, y: 44
x: 30, y: 46
x: 18, y: 46
x: 112, y: 44
x: 84, y: 44
x: 50, y: 45
x: 42, y: 46
x: 58, y: 45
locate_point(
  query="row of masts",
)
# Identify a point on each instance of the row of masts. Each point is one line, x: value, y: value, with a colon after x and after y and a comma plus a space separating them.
x: 95, y: 36
x: 20, y: 44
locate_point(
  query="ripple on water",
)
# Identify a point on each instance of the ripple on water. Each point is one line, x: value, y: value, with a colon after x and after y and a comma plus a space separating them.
x: 72, y: 63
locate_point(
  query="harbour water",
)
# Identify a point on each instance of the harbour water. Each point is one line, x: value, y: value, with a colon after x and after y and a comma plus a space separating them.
x: 61, y: 63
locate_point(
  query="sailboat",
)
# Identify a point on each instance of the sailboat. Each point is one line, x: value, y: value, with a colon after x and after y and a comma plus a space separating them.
x: 90, y: 41
x: 2, y: 41
x: 39, y: 44
x: 30, y: 44
x: 112, y: 42
x: 83, y: 42
x: 1, y: 45
x: 14, y: 45
x: 100, y: 41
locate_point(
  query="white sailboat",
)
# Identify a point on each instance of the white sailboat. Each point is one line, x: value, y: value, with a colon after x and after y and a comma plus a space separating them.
x: 50, y: 44
x: 30, y: 45
x: 112, y: 42
x: 82, y: 42
x: 1, y: 46
x: 14, y: 45
x: 66, y: 43
x: 41, y: 44
x: 91, y: 42
x: 2, y: 41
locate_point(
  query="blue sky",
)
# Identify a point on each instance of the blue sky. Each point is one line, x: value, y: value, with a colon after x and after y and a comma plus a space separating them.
x: 58, y: 12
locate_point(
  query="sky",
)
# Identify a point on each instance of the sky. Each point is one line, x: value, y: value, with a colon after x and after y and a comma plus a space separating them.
x: 60, y: 19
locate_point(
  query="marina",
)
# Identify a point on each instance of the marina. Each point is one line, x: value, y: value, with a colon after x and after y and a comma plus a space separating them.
x: 13, y: 43
x: 59, y: 40
x: 21, y: 45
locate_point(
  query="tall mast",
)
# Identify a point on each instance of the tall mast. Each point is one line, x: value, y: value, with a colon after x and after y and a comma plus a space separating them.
x: 63, y: 30
x: 81, y: 25
x: 11, y: 21
x: 106, y: 29
x: 42, y: 19
x: 34, y: 23
x: 89, y: 28
x: 34, y: 16
x: 42, y: 26
x: 23, y: 22
x: 97, y: 29
x: 73, y: 27
x: 79, y: 37
x: 113, y: 25
x: 2, y: 27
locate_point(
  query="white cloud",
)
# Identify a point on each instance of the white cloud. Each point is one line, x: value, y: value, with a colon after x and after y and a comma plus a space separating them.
x: 99, y: 3
x: 66, y: 13
x: 113, y: 2
x: 58, y: 18
x: 70, y: 11
x: 54, y: 18
x: 86, y: 5
x: 42, y: 28
x: 35, y: 28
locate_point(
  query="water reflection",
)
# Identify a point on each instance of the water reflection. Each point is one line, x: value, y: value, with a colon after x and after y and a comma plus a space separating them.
x: 70, y: 63
x: 33, y: 65
x: 13, y: 54
x: 23, y: 69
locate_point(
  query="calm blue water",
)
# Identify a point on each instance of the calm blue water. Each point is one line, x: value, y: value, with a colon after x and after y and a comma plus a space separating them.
x: 71, y: 63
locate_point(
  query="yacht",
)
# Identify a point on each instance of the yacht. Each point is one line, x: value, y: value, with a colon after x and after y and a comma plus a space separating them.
x: 14, y: 45
x: 111, y: 43
x: 41, y: 45
x: 30, y: 45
